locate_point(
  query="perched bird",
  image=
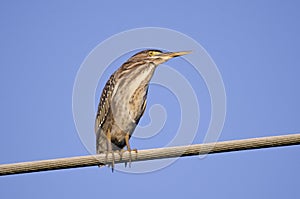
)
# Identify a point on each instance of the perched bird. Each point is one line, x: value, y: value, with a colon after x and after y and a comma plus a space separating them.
x: 123, y: 100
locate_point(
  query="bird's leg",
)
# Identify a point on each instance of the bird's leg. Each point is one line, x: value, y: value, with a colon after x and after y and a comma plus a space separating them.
x: 121, y: 151
x: 128, y: 149
x: 109, y: 150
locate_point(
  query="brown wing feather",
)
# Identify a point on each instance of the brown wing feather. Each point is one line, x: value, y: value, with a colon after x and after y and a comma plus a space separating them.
x: 104, y: 104
x: 138, y: 110
x: 142, y: 112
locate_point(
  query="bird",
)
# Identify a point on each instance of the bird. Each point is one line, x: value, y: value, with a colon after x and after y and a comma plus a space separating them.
x: 123, y: 101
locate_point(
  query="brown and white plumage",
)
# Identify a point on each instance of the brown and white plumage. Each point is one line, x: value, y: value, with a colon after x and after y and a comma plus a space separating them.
x: 123, y: 99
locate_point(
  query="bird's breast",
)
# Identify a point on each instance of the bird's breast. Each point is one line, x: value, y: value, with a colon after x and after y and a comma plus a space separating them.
x: 129, y: 96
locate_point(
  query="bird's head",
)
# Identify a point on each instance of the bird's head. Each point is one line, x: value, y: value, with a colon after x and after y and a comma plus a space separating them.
x: 156, y: 56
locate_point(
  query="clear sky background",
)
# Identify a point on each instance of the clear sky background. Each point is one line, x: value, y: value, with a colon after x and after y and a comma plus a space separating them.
x: 255, y: 45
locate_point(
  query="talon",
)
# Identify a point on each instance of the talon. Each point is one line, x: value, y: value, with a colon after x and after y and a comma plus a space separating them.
x: 127, y: 136
x: 121, y: 151
x: 130, y: 155
x: 113, y: 161
x: 109, y: 147
x: 112, y: 164
x: 106, y: 157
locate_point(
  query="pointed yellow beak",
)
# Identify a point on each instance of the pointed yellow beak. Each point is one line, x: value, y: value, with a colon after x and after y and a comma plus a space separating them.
x: 169, y: 55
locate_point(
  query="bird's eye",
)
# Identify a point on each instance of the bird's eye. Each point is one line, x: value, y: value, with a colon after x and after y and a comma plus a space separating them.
x: 150, y: 53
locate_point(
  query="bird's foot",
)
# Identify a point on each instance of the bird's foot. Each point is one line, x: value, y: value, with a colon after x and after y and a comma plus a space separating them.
x: 130, y: 157
x: 127, y: 136
x: 112, y: 164
x: 121, y: 152
x: 109, y: 150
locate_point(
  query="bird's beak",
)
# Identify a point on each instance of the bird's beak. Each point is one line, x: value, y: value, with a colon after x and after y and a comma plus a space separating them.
x: 169, y: 55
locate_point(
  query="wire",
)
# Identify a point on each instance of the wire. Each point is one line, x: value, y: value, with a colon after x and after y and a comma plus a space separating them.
x: 151, y: 154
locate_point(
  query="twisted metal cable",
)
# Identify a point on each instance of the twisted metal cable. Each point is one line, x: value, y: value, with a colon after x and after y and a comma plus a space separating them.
x: 151, y: 154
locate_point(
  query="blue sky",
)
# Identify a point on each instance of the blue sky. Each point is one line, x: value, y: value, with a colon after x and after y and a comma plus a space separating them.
x: 255, y: 45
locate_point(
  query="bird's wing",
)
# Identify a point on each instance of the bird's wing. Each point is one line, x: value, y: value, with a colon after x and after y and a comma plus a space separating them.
x: 139, y: 113
x: 142, y: 112
x: 104, y: 104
